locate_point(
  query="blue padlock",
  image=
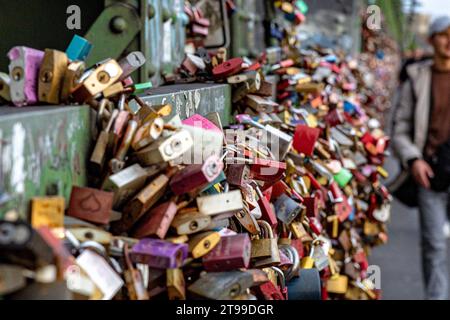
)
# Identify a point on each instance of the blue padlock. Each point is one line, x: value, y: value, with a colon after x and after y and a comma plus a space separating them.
x: 79, y: 48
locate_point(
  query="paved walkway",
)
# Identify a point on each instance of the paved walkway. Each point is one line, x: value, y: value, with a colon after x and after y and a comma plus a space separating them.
x: 399, y: 260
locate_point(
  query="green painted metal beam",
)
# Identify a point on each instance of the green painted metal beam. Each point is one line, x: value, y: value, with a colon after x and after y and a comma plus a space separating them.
x: 189, y: 99
x: 43, y: 151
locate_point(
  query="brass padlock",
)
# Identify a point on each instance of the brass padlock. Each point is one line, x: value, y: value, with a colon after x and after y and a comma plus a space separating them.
x: 118, y: 162
x: 141, y: 203
x: 126, y: 183
x: 102, y: 145
x: 5, y: 89
x: 265, y: 252
x: 133, y: 278
x: 71, y: 79
x: 51, y: 76
x: 148, y: 133
x: 47, y: 211
x: 176, y: 287
x: 97, y: 80
x: 165, y: 149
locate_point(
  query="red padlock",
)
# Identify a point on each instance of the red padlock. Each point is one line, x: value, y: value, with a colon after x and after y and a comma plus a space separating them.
x: 312, y: 206
x: 305, y: 139
x: 228, y: 68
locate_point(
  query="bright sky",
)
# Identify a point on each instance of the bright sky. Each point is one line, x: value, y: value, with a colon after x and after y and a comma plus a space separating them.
x: 435, y: 7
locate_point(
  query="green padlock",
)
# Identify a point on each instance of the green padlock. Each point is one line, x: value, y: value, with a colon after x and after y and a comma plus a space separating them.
x: 343, y: 177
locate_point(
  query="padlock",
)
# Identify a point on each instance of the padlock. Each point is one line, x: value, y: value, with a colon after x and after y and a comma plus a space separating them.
x: 91, y: 205
x: 308, y: 262
x: 267, y: 170
x: 206, y: 141
x: 130, y: 63
x: 141, y: 203
x: 101, y: 273
x: 165, y: 149
x: 133, y: 279
x: 238, y: 174
x: 192, y: 64
x: 281, y: 283
x: 337, y: 284
x: 267, y: 211
x: 189, y: 223
x: 24, y: 74
x: 118, y: 162
x: 231, y: 202
x: 268, y: 291
x: 232, y: 252
x: 159, y: 254
x: 126, y: 183
x: 244, y: 89
x: 90, y: 234
x: 279, y: 142
x: 310, y: 88
x: 248, y: 221
x: 299, y: 231
x: 228, y: 68
x: 71, y: 79
x: 245, y: 76
x: 202, y: 243
x: 47, y: 211
x: 78, y: 49
x: 196, y: 175
x: 261, y: 104
x: 51, y: 76
x: 103, y: 144
x: 287, y: 209
x: 98, y: 80
x: 156, y: 222
x: 222, y: 285
x: 312, y: 206
x: 5, y: 87
x: 176, y: 287
x: 148, y: 133
x: 113, y: 90
x: 262, y: 247
x: 305, y: 139
x: 23, y: 246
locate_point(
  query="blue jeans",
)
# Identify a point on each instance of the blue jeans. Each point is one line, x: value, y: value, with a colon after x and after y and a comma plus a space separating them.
x: 433, y: 208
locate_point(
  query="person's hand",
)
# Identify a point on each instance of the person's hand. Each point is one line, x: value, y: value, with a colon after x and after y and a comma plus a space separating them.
x: 422, y: 173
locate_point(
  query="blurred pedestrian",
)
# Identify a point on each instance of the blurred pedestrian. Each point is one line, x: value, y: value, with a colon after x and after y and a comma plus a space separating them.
x: 421, y: 140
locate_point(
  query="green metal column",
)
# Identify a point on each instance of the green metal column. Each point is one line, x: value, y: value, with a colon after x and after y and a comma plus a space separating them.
x: 43, y: 151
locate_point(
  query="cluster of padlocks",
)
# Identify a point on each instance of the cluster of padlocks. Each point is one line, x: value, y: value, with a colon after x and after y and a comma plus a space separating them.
x: 285, y: 203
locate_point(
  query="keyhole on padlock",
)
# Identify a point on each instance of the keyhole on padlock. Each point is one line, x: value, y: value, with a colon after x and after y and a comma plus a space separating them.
x: 193, y: 225
x: 103, y: 77
x: 47, y: 76
x: 235, y: 289
x: 17, y: 74
x: 89, y: 235
x: 207, y: 244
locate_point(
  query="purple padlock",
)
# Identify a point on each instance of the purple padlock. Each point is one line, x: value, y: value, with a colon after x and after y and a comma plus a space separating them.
x: 159, y: 254
x: 24, y: 73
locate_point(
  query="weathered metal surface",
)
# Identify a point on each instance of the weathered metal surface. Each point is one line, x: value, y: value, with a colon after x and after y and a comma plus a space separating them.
x: 189, y: 99
x: 248, y: 36
x: 42, y: 152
